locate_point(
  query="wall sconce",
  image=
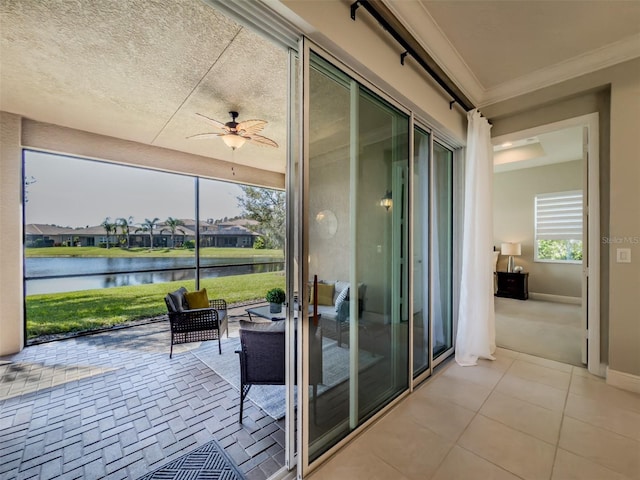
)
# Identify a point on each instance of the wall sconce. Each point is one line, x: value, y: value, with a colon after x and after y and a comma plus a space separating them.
x: 387, y: 200
x: 511, y: 249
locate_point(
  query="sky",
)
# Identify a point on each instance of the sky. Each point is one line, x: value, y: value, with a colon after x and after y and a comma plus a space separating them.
x: 77, y: 193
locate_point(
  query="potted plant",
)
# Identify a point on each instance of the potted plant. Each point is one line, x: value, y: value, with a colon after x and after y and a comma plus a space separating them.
x: 276, y: 298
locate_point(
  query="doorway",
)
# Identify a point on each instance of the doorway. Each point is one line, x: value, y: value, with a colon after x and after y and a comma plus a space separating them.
x: 546, y: 200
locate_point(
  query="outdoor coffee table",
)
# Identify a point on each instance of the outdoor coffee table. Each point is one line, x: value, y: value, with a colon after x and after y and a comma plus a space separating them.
x: 265, y: 312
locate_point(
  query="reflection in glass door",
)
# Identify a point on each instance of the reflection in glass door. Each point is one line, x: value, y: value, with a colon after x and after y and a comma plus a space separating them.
x: 442, y: 249
x: 357, y: 253
x: 420, y: 183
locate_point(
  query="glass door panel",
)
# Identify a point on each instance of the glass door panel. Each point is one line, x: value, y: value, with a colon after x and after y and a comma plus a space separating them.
x: 382, y: 251
x: 329, y: 253
x: 442, y: 248
x: 357, y: 268
x: 421, y: 190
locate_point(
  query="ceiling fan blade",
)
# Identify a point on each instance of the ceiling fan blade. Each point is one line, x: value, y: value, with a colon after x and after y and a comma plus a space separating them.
x: 249, y: 127
x: 204, y: 136
x: 215, y: 123
x: 263, y: 141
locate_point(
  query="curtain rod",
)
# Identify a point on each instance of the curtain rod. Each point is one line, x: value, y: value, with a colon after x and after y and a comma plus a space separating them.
x: 409, y: 50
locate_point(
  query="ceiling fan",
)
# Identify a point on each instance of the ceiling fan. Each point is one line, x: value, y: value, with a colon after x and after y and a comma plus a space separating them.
x: 235, y: 134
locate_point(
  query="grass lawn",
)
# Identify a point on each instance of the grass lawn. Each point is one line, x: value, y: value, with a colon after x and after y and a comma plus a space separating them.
x: 208, y: 252
x: 91, y: 309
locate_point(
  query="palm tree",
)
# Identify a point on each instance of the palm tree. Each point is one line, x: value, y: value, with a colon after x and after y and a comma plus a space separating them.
x: 173, y: 225
x: 148, y: 226
x: 125, y: 224
x: 108, y: 227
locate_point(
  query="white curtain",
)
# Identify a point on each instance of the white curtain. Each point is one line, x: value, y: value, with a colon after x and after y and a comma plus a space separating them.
x: 476, y: 336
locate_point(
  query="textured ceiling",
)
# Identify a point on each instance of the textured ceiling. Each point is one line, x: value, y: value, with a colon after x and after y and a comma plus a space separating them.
x: 140, y: 70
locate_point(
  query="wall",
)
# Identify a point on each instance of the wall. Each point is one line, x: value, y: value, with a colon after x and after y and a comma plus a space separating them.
x: 12, y: 312
x: 615, y: 94
x: 54, y: 138
x: 513, y: 221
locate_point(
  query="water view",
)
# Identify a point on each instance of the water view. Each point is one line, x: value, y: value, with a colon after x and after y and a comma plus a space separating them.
x: 60, y: 274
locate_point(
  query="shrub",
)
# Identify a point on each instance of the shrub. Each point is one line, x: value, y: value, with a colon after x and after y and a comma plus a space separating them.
x: 275, y: 295
x: 259, y: 243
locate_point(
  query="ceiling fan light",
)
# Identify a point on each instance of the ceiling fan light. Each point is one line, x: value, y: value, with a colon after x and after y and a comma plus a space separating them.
x: 233, y: 140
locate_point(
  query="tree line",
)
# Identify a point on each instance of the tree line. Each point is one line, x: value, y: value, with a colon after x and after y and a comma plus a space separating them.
x: 149, y: 227
x: 265, y: 206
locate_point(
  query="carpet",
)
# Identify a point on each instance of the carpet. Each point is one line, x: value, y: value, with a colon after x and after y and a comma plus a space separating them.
x: 544, y: 329
x: 206, y: 462
x: 271, y: 398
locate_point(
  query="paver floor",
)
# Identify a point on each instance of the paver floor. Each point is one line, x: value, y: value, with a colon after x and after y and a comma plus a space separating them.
x: 113, y: 405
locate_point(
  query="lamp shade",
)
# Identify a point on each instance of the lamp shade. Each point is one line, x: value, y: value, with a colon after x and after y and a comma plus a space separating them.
x: 511, y: 249
x: 233, y: 140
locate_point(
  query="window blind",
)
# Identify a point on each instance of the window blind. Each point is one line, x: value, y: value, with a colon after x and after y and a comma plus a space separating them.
x: 558, y: 216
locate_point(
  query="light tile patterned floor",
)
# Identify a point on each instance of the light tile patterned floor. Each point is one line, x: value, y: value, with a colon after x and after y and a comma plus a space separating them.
x: 113, y: 405
x: 519, y: 417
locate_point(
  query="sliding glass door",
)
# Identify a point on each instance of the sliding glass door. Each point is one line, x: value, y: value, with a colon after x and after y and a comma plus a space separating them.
x: 432, y: 251
x: 356, y: 252
x: 374, y: 195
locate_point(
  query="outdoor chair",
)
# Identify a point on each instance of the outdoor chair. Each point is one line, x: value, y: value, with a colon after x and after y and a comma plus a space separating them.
x: 262, y: 357
x: 195, y: 324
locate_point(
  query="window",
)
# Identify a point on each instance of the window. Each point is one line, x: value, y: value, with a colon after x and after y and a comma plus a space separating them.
x: 558, y: 227
x: 105, y: 242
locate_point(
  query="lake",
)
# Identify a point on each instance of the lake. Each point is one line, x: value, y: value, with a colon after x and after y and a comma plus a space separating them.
x: 64, y: 274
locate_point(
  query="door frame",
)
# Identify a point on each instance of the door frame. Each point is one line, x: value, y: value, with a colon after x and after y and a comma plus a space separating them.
x: 591, y: 271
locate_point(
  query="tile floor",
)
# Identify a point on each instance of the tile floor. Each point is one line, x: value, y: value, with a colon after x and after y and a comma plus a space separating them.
x: 113, y: 405
x: 518, y: 417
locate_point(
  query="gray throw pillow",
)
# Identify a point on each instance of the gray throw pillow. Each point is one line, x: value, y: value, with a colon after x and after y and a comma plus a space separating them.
x: 179, y: 300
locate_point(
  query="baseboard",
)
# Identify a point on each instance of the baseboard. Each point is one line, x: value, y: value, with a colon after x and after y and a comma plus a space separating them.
x: 625, y: 381
x: 547, y: 297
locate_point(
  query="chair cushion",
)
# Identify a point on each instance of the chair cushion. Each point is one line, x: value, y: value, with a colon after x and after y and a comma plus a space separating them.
x: 177, y: 300
x: 262, y: 326
x: 197, y: 299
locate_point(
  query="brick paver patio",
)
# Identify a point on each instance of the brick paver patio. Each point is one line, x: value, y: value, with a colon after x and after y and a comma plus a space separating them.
x: 113, y: 405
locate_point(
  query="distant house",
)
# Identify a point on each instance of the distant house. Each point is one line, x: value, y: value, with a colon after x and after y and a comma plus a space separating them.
x: 228, y: 234
x: 42, y: 235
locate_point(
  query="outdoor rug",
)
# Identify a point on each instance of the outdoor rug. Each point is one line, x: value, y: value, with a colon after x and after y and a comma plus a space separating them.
x: 206, y: 462
x: 271, y: 398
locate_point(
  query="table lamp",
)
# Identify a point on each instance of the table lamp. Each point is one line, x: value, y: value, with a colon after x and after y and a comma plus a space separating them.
x: 511, y: 249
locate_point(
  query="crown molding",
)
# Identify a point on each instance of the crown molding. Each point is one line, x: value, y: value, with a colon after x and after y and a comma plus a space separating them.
x: 607, y: 56
x: 419, y: 22
x: 424, y: 29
